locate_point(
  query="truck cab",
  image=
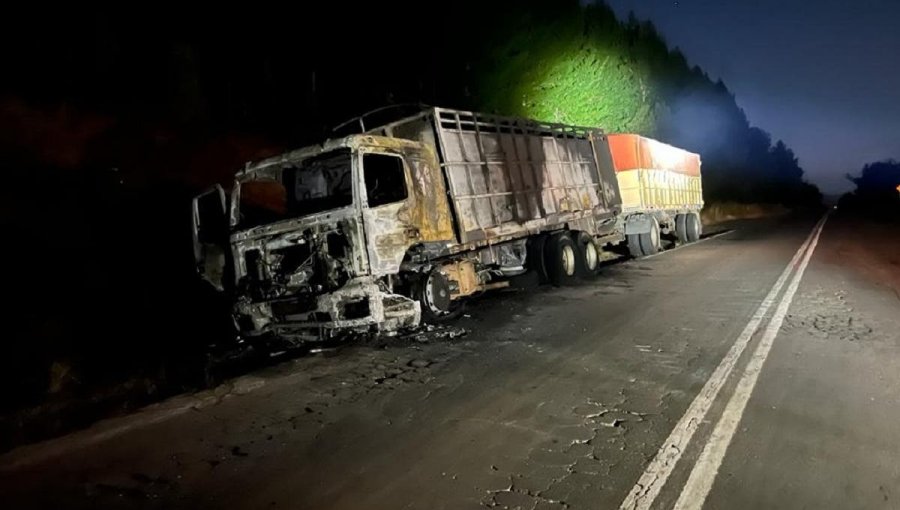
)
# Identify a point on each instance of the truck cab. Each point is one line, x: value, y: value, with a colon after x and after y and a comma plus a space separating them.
x: 311, y: 242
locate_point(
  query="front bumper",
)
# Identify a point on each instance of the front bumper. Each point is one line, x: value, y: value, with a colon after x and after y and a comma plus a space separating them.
x: 358, y: 307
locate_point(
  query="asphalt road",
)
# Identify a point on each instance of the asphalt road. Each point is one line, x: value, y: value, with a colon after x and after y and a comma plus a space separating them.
x: 756, y: 369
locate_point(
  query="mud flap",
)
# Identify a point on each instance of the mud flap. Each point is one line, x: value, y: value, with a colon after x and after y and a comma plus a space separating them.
x: 638, y: 224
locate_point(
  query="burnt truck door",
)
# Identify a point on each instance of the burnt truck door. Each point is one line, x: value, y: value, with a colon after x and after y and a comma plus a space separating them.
x: 386, y: 209
x: 210, y: 231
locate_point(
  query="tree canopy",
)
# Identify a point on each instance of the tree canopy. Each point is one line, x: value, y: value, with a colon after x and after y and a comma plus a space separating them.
x: 193, y: 101
x: 579, y: 64
x: 877, y: 190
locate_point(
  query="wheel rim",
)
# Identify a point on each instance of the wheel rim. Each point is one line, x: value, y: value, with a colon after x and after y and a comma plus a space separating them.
x: 568, y: 260
x: 433, y: 292
x: 590, y: 255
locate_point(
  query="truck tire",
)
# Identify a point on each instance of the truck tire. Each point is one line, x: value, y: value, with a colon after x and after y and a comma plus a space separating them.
x: 432, y: 291
x: 536, y: 260
x: 634, y: 245
x: 680, y: 225
x: 561, y: 258
x: 650, y: 241
x: 692, y: 227
x: 588, y: 262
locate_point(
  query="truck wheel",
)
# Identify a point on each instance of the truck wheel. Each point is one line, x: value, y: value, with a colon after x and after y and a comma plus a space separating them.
x: 537, y: 261
x: 634, y: 245
x: 680, y: 225
x: 561, y: 258
x: 650, y: 242
x: 692, y: 227
x: 588, y: 262
x: 433, y: 293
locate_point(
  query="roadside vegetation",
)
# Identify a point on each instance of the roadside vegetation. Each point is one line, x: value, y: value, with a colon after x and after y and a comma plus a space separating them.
x: 877, y: 193
x: 719, y: 212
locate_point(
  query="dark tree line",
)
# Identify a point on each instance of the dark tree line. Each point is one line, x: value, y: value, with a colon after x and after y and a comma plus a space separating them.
x: 625, y: 77
x: 189, y: 95
x: 877, y: 191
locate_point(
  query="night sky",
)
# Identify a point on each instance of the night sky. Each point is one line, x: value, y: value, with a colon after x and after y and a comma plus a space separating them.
x: 823, y: 76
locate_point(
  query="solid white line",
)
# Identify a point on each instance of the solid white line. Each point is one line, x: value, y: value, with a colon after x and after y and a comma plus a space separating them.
x: 648, y: 486
x: 700, y: 482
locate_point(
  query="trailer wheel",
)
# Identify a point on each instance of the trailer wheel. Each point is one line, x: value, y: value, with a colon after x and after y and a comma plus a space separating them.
x: 650, y: 242
x: 588, y: 255
x: 680, y: 226
x: 561, y: 258
x: 433, y: 293
x: 634, y: 245
x: 692, y: 228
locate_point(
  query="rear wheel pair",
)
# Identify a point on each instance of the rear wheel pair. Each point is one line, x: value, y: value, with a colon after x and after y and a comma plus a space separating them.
x: 646, y: 243
x: 688, y: 228
x: 566, y: 255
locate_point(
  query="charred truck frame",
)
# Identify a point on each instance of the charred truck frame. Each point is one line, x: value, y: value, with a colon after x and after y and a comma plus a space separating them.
x: 379, y: 230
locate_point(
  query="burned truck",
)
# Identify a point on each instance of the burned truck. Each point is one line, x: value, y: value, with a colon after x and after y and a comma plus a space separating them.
x: 380, y: 230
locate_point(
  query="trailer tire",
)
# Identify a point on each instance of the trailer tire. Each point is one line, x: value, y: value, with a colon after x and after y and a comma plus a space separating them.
x: 561, y: 258
x: 680, y: 225
x: 650, y: 241
x: 692, y: 228
x: 432, y: 291
x: 634, y: 245
x: 588, y: 260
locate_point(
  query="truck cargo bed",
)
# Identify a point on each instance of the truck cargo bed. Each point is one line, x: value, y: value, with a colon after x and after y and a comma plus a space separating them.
x: 509, y: 176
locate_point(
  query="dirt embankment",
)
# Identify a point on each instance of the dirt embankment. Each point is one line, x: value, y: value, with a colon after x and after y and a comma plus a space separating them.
x: 726, y: 211
x: 870, y: 247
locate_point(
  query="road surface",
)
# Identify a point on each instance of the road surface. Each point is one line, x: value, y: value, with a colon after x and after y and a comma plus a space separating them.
x: 756, y: 369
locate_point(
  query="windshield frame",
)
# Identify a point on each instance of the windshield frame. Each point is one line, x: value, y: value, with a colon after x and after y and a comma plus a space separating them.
x: 276, y: 172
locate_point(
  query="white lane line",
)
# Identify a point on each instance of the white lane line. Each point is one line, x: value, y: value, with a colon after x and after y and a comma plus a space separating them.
x: 648, y: 486
x: 680, y: 246
x: 694, y: 493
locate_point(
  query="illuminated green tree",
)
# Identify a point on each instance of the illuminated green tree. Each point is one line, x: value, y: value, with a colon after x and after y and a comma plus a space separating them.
x: 578, y: 64
x: 571, y: 66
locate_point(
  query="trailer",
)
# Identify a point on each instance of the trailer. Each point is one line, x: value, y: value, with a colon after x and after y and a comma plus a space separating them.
x: 378, y: 230
x: 661, y: 190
